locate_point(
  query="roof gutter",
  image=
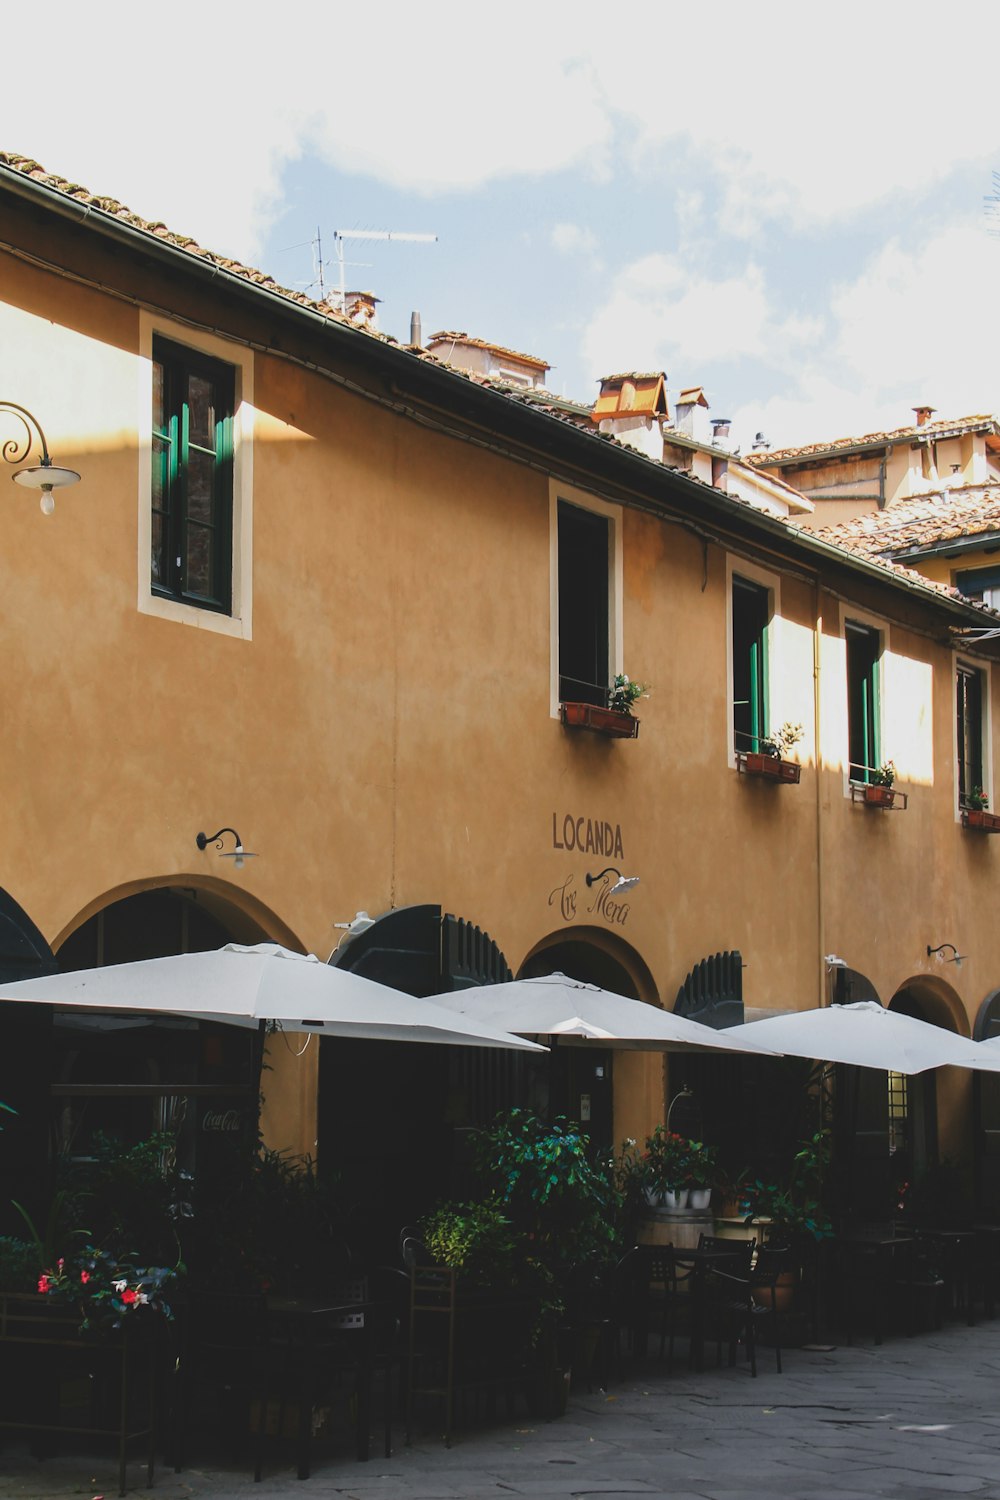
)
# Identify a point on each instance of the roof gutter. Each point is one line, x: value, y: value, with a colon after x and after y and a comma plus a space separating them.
x: 584, y: 447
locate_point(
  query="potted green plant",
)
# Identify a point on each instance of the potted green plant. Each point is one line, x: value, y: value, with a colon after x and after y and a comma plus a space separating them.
x: 703, y: 1169
x: 793, y: 1210
x: 976, y: 814
x: 616, y: 717
x: 666, y: 1169
x: 770, y: 759
x: 878, y: 791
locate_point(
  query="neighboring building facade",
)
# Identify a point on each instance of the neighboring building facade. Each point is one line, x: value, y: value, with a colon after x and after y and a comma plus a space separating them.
x: 323, y: 589
x: 852, y: 476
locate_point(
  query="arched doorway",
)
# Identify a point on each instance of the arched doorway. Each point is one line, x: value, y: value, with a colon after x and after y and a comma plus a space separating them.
x: 396, y: 1118
x: 578, y: 1082
x: 75, y: 1077
x: 918, y: 1105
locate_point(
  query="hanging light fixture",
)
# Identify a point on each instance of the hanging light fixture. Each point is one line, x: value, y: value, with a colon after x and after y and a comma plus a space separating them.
x: 623, y: 883
x: 237, y: 855
x: 45, y: 476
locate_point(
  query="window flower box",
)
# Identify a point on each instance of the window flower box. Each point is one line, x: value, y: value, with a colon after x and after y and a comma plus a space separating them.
x: 876, y: 795
x: 771, y: 767
x: 981, y: 820
x: 592, y: 716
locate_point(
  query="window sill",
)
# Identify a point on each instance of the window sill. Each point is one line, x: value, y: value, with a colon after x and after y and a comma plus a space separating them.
x: 768, y: 767
x: 606, y: 721
x: 980, y: 821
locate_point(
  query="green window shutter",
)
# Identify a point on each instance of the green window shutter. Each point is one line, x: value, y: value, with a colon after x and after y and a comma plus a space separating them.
x: 864, y: 649
x: 751, y: 609
x: 191, y: 501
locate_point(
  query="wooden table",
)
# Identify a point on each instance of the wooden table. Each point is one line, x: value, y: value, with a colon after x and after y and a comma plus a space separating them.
x: 309, y: 1334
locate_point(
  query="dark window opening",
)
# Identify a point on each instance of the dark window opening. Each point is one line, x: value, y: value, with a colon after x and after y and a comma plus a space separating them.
x: 192, y: 477
x: 751, y: 612
x: 584, y: 643
x: 969, y: 699
x: 864, y: 647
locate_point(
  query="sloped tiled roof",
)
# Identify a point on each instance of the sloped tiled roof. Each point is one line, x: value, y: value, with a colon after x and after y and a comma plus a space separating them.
x: 952, y: 428
x: 925, y: 521
x: 556, y: 408
x: 471, y: 343
x: 37, y: 173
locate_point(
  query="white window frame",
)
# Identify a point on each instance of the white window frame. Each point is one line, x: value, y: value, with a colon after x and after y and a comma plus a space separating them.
x: 239, y: 622
x: 973, y: 664
x: 772, y: 582
x: 871, y: 622
x: 614, y: 514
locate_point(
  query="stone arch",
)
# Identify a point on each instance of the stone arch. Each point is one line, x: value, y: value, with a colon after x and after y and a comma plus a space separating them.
x: 607, y: 952
x: 246, y: 919
x: 623, y: 1091
x: 934, y: 1000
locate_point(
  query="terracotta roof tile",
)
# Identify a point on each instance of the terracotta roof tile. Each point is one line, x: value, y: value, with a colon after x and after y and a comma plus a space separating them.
x: 924, y: 521
x: 874, y: 439
x: 118, y: 210
x: 464, y: 338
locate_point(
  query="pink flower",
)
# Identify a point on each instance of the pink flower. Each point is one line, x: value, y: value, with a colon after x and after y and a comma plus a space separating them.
x: 43, y: 1283
x: 61, y: 1265
x: 84, y: 1277
x: 128, y: 1296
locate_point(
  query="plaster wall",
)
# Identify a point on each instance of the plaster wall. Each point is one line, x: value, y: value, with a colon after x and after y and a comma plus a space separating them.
x: 385, y: 736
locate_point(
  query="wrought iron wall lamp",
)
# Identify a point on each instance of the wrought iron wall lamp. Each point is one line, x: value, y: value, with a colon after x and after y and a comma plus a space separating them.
x: 956, y: 957
x: 45, y: 476
x: 237, y: 855
x: 623, y: 883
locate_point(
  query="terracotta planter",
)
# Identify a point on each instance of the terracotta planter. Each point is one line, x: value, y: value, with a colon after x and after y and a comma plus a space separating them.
x: 981, y: 820
x: 771, y: 767
x: 879, y: 796
x: 607, y: 721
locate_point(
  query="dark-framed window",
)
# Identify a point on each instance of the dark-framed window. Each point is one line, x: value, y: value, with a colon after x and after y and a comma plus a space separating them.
x: 751, y: 615
x: 969, y: 730
x: 191, y: 543
x: 980, y: 583
x: 864, y: 650
x: 584, y: 601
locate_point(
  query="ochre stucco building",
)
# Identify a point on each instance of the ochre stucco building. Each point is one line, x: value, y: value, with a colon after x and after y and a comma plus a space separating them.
x: 318, y: 587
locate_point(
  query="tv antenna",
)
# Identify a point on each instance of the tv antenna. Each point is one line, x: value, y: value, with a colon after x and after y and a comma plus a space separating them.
x: 340, y: 235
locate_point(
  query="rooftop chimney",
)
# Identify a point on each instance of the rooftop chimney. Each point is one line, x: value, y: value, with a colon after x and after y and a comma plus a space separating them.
x: 760, y: 444
x: 924, y: 414
x: 415, y: 335
x: 720, y: 431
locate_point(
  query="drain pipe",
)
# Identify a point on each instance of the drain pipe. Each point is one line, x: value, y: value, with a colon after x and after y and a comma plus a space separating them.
x: 817, y: 765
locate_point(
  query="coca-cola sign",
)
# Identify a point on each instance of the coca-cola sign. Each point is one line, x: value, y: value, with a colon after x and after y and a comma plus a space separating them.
x: 222, y: 1121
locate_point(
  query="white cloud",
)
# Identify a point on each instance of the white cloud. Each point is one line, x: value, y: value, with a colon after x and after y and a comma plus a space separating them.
x: 195, y: 120
x: 572, y: 239
x: 917, y: 325
x: 661, y: 314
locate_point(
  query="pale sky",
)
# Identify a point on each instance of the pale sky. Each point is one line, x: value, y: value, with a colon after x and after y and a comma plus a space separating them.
x: 781, y: 202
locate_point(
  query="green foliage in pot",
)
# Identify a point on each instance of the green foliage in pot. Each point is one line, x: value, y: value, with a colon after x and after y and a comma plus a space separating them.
x: 20, y: 1265
x: 795, y: 1207
x: 555, y: 1196
x: 277, y: 1224
x: 885, y: 775
x: 780, y: 741
x: 126, y: 1196
x: 474, y: 1238
x: 624, y: 693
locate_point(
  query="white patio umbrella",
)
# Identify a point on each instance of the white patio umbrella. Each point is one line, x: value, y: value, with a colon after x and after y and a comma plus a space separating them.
x: 868, y: 1036
x: 571, y: 1011
x: 265, y: 982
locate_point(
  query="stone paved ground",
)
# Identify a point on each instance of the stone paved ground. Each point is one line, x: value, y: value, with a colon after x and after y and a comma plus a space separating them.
x: 915, y: 1419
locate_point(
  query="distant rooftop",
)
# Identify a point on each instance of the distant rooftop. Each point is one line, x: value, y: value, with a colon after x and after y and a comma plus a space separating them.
x: 931, y: 520
x: 953, y: 428
x: 446, y: 337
